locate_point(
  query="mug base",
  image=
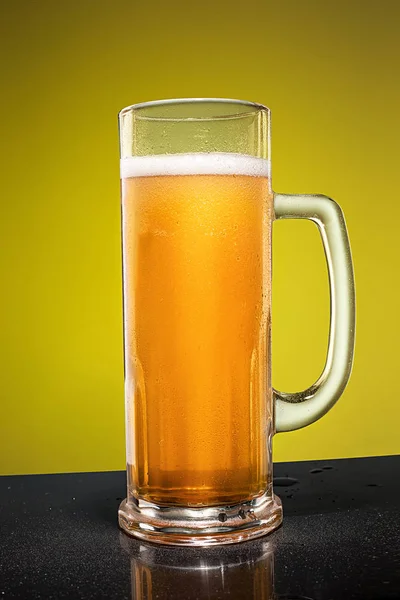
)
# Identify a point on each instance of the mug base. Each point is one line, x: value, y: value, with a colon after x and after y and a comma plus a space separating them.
x: 200, y: 526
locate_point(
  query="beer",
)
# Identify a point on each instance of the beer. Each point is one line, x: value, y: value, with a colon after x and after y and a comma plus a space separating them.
x: 197, y: 270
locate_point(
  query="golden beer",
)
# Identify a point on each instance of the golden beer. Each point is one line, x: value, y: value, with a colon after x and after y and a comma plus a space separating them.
x: 197, y: 271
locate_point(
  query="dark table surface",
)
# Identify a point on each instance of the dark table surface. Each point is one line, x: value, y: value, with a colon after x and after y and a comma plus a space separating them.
x: 340, y: 540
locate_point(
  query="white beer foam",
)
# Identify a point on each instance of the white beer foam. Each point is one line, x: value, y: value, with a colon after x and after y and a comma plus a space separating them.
x: 201, y: 163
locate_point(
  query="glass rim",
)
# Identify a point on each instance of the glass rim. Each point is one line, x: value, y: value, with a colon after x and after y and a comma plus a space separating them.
x: 257, y: 107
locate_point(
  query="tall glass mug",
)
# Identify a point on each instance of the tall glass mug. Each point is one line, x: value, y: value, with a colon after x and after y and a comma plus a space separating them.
x: 197, y: 215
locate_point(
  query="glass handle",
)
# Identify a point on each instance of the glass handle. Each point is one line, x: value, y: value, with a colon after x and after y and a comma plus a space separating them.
x: 299, y: 409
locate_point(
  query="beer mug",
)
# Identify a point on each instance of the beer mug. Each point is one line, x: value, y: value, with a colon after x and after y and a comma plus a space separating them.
x: 197, y: 215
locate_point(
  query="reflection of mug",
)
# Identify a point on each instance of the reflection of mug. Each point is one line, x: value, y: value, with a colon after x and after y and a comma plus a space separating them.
x: 244, y: 572
x: 245, y: 575
x: 197, y: 208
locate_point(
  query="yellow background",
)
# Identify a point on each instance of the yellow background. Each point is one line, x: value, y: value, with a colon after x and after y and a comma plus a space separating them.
x: 330, y: 73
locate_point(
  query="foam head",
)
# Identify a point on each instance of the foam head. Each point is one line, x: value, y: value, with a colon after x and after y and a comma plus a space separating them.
x: 213, y: 163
